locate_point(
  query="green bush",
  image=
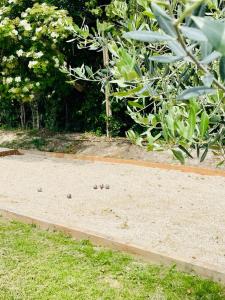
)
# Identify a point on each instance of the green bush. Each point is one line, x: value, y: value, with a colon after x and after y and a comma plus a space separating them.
x: 33, y: 49
x: 32, y: 39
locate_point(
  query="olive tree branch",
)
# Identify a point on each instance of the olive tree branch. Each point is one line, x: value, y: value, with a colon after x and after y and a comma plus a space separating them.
x: 194, y: 59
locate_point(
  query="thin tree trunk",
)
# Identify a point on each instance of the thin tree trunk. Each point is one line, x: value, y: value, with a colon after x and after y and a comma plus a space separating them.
x: 66, y: 116
x: 22, y: 116
x: 35, y: 115
x: 107, y: 93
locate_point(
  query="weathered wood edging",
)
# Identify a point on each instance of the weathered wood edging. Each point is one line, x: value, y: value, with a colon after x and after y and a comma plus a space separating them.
x: 7, y: 152
x: 140, y: 163
x: 204, y: 270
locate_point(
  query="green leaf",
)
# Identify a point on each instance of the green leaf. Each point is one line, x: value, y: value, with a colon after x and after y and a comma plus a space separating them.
x: 165, y: 22
x: 208, y: 80
x: 148, y: 64
x: 135, y: 104
x: 210, y: 58
x: 179, y: 155
x: 170, y: 124
x: 165, y: 132
x: 176, y: 48
x: 205, y: 49
x: 185, y: 151
x: 148, y: 13
x: 138, y: 70
x: 192, y: 121
x: 193, y: 34
x: 89, y: 71
x: 164, y: 59
x: 127, y: 93
x: 200, y: 10
x: 222, y: 68
x: 214, y: 30
x: 147, y: 36
x: 204, y: 124
x: 154, y: 122
x: 146, y: 91
x: 132, y: 136
x: 198, y: 150
x: 196, y: 92
x: 220, y: 163
x: 79, y: 72
x: 204, y: 154
x: 186, y: 74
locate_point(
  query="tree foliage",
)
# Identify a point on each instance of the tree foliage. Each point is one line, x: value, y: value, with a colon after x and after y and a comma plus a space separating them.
x: 167, y: 63
x: 192, y: 115
x: 30, y: 71
x: 166, y: 68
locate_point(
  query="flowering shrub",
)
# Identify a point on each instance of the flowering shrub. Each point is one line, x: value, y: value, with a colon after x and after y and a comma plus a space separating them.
x: 31, y: 49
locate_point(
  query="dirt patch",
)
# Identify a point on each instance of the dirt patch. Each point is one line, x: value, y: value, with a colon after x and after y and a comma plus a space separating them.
x: 90, y: 145
x: 173, y: 213
x: 8, y: 136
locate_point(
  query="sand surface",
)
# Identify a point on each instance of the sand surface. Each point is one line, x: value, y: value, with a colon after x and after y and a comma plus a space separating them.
x: 174, y: 213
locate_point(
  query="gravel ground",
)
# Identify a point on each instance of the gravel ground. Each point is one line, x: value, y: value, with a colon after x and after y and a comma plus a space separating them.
x: 170, y: 212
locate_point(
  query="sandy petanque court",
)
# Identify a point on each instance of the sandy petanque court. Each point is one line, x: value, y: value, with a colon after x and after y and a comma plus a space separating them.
x: 174, y: 213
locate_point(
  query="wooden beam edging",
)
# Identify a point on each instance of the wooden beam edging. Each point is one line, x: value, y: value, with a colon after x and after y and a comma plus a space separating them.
x: 204, y: 270
x: 140, y: 163
x: 8, y: 152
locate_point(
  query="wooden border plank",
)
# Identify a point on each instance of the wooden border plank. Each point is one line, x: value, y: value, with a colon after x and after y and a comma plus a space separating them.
x: 140, y: 163
x: 204, y: 270
x: 7, y: 152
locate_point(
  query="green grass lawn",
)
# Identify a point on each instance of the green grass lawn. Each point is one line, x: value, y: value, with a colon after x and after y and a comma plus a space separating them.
x: 36, y: 264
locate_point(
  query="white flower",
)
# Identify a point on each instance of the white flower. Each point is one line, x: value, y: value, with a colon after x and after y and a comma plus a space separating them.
x: 60, y: 22
x: 32, y: 63
x: 15, y: 32
x: 25, y: 25
x: 9, y: 80
x: 38, y: 54
x: 18, y: 79
x: 24, y: 15
x: 38, y: 29
x: 54, y: 35
x: 19, y: 52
